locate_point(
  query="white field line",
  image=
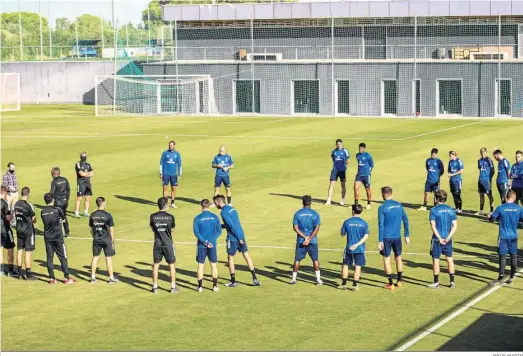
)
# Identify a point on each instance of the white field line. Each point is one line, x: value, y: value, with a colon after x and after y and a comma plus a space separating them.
x: 276, y: 247
x: 442, y: 130
x: 52, y: 134
x: 452, y: 316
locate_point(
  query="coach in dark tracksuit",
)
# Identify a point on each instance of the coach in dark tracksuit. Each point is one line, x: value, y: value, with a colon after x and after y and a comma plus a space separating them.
x: 61, y: 191
x: 52, y: 217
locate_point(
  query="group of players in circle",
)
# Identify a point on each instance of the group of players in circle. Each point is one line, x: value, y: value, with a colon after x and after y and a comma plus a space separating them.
x: 306, y: 221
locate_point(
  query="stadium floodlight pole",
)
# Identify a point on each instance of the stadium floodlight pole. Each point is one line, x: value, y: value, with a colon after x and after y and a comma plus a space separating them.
x: 41, y: 32
x: 176, y: 63
x: 115, y: 49
x: 498, y: 99
x: 102, y: 32
x: 76, y: 35
x: 50, y: 42
x: 253, y: 106
x: 148, y: 31
x: 20, y: 32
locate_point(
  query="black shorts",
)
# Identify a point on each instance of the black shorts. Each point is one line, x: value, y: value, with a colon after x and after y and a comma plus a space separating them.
x: 8, y: 240
x: 56, y: 246
x: 164, y: 251
x: 84, y: 189
x: 335, y: 174
x: 25, y: 242
x: 455, y: 187
x: 106, y: 246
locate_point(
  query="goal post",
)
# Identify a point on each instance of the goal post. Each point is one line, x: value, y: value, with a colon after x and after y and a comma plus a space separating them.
x: 9, y: 91
x: 152, y: 95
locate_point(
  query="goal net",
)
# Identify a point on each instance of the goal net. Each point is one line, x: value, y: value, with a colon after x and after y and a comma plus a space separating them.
x: 9, y: 91
x: 152, y: 95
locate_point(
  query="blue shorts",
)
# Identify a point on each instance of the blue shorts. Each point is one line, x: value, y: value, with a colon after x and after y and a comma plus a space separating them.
x: 235, y: 246
x: 431, y: 187
x: 168, y: 179
x: 502, y: 189
x: 205, y: 252
x: 437, y: 249
x: 506, y: 246
x: 302, y: 251
x: 335, y: 174
x: 484, y: 187
x: 350, y: 258
x: 455, y: 186
x: 219, y: 180
x: 365, y: 180
x: 390, y: 245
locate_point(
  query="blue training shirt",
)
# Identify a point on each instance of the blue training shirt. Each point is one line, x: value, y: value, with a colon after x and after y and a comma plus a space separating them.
x: 365, y: 164
x: 231, y: 220
x: 508, y: 215
x: 307, y: 221
x: 207, y: 228
x: 503, y: 171
x: 339, y: 159
x: 390, y: 215
x: 225, y: 160
x: 486, y: 169
x: 171, y: 163
x: 455, y: 166
x: 443, y: 215
x: 355, y: 228
x: 435, y: 169
x: 516, y: 174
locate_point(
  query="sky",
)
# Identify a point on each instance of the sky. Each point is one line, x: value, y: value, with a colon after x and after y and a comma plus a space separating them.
x: 125, y: 10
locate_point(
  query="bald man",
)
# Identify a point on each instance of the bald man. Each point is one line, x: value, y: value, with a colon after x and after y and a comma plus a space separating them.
x: 223, y: 164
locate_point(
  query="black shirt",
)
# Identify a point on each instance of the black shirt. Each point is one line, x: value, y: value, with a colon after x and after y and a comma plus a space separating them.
x: 5, y: 212
x: 101, y: 222
x: 162, y: 223
x: 83, y: 167
x: 24, y: 213
x: 60, y: 188
x: 52, y: 218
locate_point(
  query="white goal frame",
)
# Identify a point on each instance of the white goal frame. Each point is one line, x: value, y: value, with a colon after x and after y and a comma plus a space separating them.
x: 207, y: 107
x: 9, y: 92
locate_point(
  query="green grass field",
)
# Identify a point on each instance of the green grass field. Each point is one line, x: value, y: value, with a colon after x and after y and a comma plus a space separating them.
x: 277, y: 161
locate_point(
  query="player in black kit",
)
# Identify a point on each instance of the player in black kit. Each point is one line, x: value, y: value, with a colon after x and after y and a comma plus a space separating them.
x: 8, y: 241
x: 25, y: 233
x: 84, y: 172
x: 162, y: 223
x: 101, y: 224
x: 61, y: 191
x: 53, y: 217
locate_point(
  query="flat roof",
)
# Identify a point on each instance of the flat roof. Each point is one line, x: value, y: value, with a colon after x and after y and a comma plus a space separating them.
x: 342, y: 9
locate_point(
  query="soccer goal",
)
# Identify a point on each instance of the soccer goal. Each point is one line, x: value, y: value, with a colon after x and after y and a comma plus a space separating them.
x: 152, y: 95
x: 9, y: 91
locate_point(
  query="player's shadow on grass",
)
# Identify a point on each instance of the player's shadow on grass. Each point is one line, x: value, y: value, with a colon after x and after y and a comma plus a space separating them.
x: 405, y: 204
x: 152, y: 203
x: 68, y: 213
x: 428, y: 267
x: 147, y: 272
x: 122, y: 278
x: 298, y: 197
x: 365, y: 272
x: 276, y: 274
x: 306, y: 274
x: 58, y: 271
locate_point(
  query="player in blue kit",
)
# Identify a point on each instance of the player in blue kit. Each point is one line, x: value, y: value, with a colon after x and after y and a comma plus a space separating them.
x: 357, y: 231
x: 390, y: 216
x: 444, y: 222
x: 207, y: 229
x: 170, y: 169
x: 306, y: 223
x: 516, y: 174
x: 365, y: 166
x: 235, y: 239
x: 455, y: 169
x: 486, y: 172
x: 340, y: 159
x: 223, y: 164
x: 508, y: 215
x: 435, y: 170
x: 503, y: 175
